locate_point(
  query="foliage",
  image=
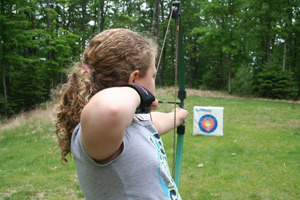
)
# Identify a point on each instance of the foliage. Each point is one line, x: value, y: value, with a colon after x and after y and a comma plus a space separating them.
x: 219, y: 36
x: 238, y: 33
x: 273, y: 83
x: 242, y: 83
x: 212, y: 80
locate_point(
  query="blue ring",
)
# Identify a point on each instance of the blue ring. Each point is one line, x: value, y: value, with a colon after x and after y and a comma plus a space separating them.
x: 208, y: 116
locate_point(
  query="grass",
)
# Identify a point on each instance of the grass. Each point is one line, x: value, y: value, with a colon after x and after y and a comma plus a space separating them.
x: 29, y: 164
x: 257, y: 158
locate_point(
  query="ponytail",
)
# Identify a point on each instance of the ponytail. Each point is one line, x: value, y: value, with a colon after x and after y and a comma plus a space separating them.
x: 74, y: 95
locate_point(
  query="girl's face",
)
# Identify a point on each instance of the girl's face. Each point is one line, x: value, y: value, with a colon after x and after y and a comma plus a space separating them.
x: 148, y: 81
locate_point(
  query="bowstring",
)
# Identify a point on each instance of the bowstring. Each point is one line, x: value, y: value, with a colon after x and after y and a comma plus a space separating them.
x: 175, y: 84
x: 164, y: 42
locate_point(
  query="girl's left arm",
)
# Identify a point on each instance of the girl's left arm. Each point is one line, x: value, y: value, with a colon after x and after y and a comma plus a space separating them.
x: 164, y: 122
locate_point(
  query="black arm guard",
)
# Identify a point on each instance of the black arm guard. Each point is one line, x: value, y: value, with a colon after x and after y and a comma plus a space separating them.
x: 146, y: 98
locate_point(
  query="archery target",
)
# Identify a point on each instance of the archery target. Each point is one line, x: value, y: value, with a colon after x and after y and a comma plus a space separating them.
x: 208, y: 121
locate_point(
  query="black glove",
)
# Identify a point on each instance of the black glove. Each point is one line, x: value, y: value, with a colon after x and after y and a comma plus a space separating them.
x: 146, y: 98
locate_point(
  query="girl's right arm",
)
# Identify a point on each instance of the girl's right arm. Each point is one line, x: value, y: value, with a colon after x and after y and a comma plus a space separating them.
x: 104, y: 120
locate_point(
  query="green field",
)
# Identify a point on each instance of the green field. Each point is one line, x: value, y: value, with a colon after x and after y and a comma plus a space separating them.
x: 257, y: 158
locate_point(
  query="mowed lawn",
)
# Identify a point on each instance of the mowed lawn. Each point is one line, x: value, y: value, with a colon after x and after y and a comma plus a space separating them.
x: 257, y: 158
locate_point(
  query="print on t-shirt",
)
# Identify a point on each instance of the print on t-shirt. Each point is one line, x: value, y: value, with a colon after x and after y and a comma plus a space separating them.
x: 164, y: 174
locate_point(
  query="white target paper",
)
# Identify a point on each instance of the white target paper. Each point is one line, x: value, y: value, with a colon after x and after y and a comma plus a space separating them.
x: 208, y: 121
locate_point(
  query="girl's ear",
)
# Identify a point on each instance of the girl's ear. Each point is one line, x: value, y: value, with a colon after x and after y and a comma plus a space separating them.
x: 133, y: 76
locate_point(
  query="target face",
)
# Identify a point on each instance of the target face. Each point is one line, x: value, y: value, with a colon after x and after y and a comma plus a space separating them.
x: 208, y: 123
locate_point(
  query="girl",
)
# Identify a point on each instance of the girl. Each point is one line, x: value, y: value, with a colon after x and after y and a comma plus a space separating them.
x: 117, y: 150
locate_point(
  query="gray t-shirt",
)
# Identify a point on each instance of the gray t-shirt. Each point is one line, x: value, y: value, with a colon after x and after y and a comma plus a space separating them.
x: 140, y: 172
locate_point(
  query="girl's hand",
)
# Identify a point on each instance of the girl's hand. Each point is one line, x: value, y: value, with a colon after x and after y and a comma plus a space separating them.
x: 154, y: 105
x: 181, y: 116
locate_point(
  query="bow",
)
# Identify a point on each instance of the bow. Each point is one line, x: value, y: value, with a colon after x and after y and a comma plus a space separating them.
x: 176, y: 14
x: 180, y: 67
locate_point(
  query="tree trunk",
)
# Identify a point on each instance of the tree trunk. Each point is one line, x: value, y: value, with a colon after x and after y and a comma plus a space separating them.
x: 101, y: 19
x: 49, y: 53
x: 157, y: 12
x: 268, y: 44
x: 152, y: 16
x: 3, y: 79
x: 299, y: 89
x: 48, y: 27
x: 83, y: 23
x: 129, y: 8
x: 284, y: 55
x: 286, y: 39
x: 231, y: 47
x: 221, y: 58
x: 3, y: 64
x: 163, y: 59
x: 194, y: 62
x: 64, y: 16
x: 229, y: 73
x: 295, y: 61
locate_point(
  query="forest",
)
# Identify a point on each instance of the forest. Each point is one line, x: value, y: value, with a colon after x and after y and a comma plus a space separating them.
x: 246, y: 48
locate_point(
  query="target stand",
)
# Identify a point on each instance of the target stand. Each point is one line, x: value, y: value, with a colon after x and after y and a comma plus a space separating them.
x: 208, y: 121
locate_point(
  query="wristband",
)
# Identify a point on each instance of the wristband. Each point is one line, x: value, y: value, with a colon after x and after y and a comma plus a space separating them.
x: 146, y: 98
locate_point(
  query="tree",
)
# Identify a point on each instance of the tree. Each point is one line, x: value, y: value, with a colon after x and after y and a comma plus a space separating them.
x: 223, y: 39
x: 274, y: 83
x: 242, y: 82
x: 156, y: 19
x: 101, y: 16
x: 219, y: 33
x: 3, y: 98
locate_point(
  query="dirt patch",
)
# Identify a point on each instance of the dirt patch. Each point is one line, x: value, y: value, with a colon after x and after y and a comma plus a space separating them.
x: 23, y: 117
x: 208, y: 93
x: 169, y: 92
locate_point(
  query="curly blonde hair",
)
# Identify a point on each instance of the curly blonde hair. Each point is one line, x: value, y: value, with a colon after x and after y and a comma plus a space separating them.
x: 111, y: 57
